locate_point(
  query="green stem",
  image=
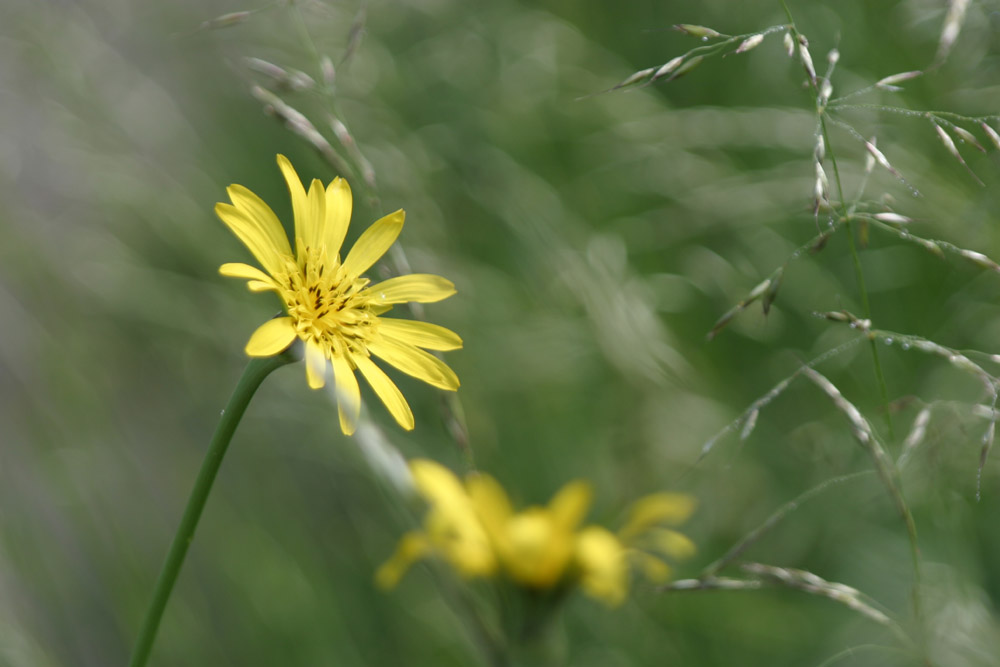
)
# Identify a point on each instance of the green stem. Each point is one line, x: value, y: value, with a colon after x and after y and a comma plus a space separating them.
x: 856, y: 259
x: 253, y: 375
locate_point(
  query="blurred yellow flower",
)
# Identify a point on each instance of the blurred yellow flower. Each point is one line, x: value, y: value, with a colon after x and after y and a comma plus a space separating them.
x: 452, y: 530
x: 331, y: 307
x: 474, y: 528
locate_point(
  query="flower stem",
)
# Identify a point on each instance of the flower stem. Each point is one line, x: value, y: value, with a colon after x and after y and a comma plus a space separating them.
x: 253, y: 375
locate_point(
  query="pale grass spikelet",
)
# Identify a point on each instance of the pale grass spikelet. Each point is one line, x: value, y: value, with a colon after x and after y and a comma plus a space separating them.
x: 789, y: 42
x: 812, y: 583
x: 980, y: 259
x: 915, y: 436
x: 949, y: 145
x: 833, y: 57
x: 952, y: 26
x: 968, y: 138
x: 819, y: 150
x: 821, y: 188
x: 328, y: 70
x: 751, y: 42
x: 687, y: 67
x: 992, y: 134
x: 890, y: 82
x: 668, y: 67
x: 699, y: 31
x: 807, y: 61
x: 825, y: 91
x: 880, y: 158
x: 894, y: 218
x: 225, y: 21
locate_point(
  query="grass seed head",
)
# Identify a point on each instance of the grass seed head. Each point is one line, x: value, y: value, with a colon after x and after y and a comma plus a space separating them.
x: 751, y: 42
x: 892, y: 80
x: 969, y: 138
x: 789, y: 44
x: 224, y: 21
x: 992, y: 134
x: 668, y: 67
x: 699, y: 31
x: 807, y: 61
x: 894, y: 218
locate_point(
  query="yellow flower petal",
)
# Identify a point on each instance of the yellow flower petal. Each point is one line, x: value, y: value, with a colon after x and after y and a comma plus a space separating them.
x: 419, y: 287
x: 373, y: 243
x: 338, y: 216
x: 261, y: 286
x: 315, y: 365
x: 654, y: 568
x: 671, y: 508
x: 260, y: 242
x: 239, y: 270
x: 310, y: 230
x: 421, y: 334
x: 387, y: 391
x: 300, y: 204
x: 348, y: 394
x: 490, y: 502
x: 261, y: 215
x: 414, y: 361
x: 437, y: 484
x: 603, y: 567
x: 271, y: 338
x: 670, y: 543
x: 570, y: 504
x: 412, y: 547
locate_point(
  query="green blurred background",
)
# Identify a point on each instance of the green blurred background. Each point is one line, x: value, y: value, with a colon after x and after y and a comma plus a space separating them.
x: 594, y: 242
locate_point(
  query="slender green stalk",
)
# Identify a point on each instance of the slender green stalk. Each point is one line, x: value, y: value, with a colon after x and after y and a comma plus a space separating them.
x: 255, y: 372
x: 856, y: 259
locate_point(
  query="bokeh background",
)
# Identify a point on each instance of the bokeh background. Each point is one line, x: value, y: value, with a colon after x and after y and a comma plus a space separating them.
x: 594, y: 242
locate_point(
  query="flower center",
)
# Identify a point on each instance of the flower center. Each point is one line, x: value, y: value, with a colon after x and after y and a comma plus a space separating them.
x: 325, y: 304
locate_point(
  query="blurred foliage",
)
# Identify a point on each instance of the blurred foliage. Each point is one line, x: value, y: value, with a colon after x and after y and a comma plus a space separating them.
x: 594, y: 243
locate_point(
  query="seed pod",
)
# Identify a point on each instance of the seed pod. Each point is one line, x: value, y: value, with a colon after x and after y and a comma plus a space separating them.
x: 687, y: 67
x: 807, y: 61
x: 992, y: 134
x: 825, y: 90
x: 951, y: 148
x: 980, y: 259
x: 893, y: 218
x: 751, y: 42
x: 668, y: 67
x: 697, y: 31
x: 880, y: 158
x: 891, y: 81
x: 968, y: 138
x: 224, y: 21
x: 772, y: 291
x: 329, y: 73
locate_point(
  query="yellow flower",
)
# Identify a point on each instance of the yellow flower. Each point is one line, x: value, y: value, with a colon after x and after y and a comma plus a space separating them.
x: 603, y: 558
x: 452, y: 530
x: 331, y: 306
x: 475, y: 529
x: 535, y: 545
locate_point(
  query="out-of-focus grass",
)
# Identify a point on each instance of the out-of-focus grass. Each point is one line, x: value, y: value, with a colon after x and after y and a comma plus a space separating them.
x: 594, y: 242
